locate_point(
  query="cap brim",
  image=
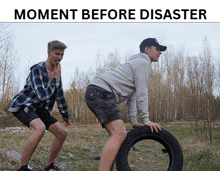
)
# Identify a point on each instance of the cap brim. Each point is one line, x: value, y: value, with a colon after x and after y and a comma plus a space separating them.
x: 162, y: 48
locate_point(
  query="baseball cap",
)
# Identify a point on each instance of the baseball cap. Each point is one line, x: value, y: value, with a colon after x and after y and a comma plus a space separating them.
x: 151, y: 42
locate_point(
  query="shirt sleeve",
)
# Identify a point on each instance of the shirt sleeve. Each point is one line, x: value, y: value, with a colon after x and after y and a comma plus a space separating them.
x: 61, y: 103
x: 43, y: 93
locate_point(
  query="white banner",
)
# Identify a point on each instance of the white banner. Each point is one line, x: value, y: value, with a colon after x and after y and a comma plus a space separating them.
x: 109, y: 11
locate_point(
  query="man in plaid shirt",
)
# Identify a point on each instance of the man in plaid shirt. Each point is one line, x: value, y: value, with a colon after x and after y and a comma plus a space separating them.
x: 32, y: 106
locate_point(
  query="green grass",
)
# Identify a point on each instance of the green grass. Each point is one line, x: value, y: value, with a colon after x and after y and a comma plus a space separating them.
x: 198, y: 155
x: 148, y: 155
x: 84, y: 142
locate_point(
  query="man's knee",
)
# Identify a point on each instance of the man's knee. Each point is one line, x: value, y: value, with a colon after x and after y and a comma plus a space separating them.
x: 62, y: 135
x: 116, y: 129
x: 123, y: 135
x: 41, y: 130
x: 37, y: 127
x: 120, y: 135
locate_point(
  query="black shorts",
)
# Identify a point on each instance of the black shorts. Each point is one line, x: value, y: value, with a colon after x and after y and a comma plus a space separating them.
x: 103, y: 104
x: 26, y: 118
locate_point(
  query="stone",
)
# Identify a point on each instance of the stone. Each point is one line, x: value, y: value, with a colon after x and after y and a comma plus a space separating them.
x: 14, y: 155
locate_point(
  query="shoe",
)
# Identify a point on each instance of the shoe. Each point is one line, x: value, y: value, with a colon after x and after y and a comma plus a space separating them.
x: 51, y: 167
x: 23, y: 168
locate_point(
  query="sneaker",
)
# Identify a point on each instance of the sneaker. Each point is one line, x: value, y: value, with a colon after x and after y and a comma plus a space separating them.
x: 23, y: 168
x: 51, y: 167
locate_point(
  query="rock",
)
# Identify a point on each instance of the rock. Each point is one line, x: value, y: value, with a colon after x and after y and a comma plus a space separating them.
x: 70, y: 155
x: 36, y: 167
x: 15, y: 129
x: 9, y: 128
x: 164, y: 151
x: 47, y: 150
x: 14, y: 155
x: 91, y: 148
x: 135, y: 149
x: 132, y: 165
x: 95, y: 158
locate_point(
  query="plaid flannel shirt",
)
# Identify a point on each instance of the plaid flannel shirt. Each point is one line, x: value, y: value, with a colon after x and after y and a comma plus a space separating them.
x: 38, y: 93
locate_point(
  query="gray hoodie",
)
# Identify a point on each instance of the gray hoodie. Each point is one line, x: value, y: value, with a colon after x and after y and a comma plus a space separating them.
x: 130, y: 82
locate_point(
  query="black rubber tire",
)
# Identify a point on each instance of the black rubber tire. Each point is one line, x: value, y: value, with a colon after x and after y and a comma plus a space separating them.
x: 164, y: 137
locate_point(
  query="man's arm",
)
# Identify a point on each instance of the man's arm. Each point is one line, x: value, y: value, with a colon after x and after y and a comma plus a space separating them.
x: 132, y: 109
x: 142, y: 78
x: 61, y: 103
x: 142, y: 73
x: 132, y: 114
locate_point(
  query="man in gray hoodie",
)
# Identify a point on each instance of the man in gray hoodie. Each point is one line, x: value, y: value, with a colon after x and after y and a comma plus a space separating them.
x: 130, y: 82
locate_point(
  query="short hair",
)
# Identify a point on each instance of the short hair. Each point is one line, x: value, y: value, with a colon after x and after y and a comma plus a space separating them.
x: 55, y: 44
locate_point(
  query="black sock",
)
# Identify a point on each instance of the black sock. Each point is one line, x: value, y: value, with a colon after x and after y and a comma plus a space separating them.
x: 51, y: 164
x: 24, y: 167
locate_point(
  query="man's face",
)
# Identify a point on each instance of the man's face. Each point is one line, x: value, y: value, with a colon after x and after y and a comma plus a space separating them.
x: 55, y: 56
x: 153, y: 53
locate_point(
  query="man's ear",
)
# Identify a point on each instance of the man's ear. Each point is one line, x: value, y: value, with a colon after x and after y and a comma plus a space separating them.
x: 146, y: 49
x: 48, y: 52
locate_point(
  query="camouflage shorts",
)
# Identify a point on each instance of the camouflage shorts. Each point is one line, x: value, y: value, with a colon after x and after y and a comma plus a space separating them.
x: 103, y: 104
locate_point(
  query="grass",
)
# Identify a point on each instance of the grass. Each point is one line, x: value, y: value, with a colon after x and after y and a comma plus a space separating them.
x: 148, y: 155
x: 85, y: 142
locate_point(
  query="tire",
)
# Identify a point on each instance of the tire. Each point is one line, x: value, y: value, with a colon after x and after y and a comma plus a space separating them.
x: 163, y: 137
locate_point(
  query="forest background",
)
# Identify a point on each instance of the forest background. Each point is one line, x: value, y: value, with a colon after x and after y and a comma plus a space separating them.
x: 182, y: 88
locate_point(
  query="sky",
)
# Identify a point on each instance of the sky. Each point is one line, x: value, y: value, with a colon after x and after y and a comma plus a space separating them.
x: 86, y: 40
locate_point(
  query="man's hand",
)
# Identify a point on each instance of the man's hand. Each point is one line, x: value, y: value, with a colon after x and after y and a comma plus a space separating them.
x: 57, y: 71
x: 67, y: 123
x: 153, y: 126
x: 137, y: 125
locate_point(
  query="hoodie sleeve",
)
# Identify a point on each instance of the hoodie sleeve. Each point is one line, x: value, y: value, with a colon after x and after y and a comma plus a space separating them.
x: 131, y: 105
x: 142, y: 71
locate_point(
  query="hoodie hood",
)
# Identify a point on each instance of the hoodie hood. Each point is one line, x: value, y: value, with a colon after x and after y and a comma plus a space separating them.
x: 140, y: 55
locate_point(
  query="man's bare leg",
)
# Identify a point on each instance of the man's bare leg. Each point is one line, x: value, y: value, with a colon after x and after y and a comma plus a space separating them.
x: 118, y: 133
x: 38, y: 129
x: 60, y: 135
